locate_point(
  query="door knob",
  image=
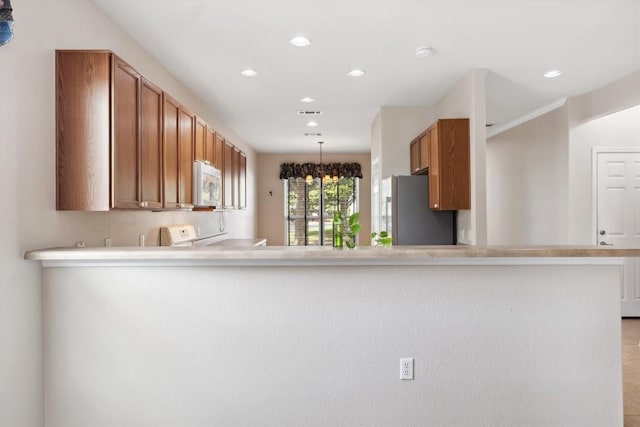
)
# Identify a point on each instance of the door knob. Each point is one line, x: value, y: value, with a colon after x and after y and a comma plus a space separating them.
x: 603, y: 243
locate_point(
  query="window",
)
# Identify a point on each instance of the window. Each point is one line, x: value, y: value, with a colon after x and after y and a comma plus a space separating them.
x: 309, y: 208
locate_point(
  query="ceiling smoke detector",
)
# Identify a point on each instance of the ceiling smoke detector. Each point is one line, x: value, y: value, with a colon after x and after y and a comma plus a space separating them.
x: 424, y: 51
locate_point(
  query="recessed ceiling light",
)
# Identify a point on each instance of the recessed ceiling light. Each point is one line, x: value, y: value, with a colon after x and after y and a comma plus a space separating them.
x: 312, y: 124
x: 249, y: 72
x: 552, y: 73
x: 300, y: 41
x: 355, y: 73
x: 423, y: 52
x: 307, y: 99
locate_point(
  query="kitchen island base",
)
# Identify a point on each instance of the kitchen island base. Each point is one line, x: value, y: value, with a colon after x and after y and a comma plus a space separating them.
x: 514, y: 343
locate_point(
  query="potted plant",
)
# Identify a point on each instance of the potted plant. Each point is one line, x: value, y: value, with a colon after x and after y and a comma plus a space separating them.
x: 381, y: 239
x: 345, y: 230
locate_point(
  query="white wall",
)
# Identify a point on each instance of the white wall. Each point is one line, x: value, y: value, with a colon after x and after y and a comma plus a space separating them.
x: 527, y: 182
x: 467, y: 100
x: 257, y: 346
x: 27, y: 162
x: 621, y: 129
x: 539, y: 178
x: 392, y: 130
x: 271, y: 199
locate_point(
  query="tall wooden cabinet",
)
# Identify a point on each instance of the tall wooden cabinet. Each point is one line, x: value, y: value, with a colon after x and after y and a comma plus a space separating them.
x: 449, y: 165
x: 83, y: 129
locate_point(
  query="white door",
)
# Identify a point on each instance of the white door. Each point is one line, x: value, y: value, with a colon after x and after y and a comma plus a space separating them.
x: 618, y: 217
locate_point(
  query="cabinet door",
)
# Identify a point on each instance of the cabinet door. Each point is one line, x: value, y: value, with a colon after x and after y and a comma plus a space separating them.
x: 434, y: 168
x: 126, y: 187
x: 424, y: 151
x: 218, y: 152
x: 200, y: 139
x: 227, y: 176
x: 185, y: 177
x: 236, y: 178
x: 209, y: 146
x: 455, y: 187
x: 414, y: 152
x: 171, y: 150
x: 242, y: 184
x: 150, y: 145
x: 83, y: 125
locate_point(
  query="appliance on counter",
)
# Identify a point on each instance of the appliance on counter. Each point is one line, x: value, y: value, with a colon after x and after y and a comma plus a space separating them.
x: 186, y: 235
x: 406, y: 214
x: 207, y: 185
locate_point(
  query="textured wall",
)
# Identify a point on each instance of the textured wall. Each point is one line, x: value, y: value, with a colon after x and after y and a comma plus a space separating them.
x: 320, y: 346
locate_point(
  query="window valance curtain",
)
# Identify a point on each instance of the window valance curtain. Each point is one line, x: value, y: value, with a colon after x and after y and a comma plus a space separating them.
x: 301, y: 170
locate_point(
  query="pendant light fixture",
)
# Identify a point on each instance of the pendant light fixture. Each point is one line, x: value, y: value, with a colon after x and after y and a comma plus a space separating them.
x: 325, y: 178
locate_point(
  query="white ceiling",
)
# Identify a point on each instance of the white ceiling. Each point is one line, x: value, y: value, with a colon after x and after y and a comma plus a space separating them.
x: 206, y: 43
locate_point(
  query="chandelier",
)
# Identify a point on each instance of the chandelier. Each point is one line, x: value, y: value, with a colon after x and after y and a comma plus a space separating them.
x: 326, y: 178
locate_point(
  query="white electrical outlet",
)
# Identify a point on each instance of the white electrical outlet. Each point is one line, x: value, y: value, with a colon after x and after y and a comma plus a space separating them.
x: 406, y: 368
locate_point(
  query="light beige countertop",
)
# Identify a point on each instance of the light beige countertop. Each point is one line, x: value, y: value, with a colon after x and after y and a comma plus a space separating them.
x: 246, y: 243
x: 315, y: 255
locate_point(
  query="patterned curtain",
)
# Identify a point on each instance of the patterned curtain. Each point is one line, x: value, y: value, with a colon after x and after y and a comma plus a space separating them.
x: 341, y: 170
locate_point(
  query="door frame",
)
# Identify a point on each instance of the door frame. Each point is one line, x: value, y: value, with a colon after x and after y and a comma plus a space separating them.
x: 594, y: 182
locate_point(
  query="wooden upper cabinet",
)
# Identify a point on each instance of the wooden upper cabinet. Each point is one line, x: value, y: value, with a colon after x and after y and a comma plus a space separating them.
x: 209, y: 146
x: 419, y: 154
x: 150, y: 144
x: 218, y: 152
x: 424, y: 151
x: 186, y: 155
x: 242, y: 181
x: 449, y: 165
x: 109, y: 133
x: 414, y: 156
x: 227, y: 175
x: 122, y: 143
x: 235, y: 173
x: 83, y: 128
x: 200, y: 139
x: 171, y: 150
x: 126, y: 111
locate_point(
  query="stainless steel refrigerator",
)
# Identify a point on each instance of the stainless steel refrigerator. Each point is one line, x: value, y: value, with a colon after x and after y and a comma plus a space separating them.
x: 405, y: 213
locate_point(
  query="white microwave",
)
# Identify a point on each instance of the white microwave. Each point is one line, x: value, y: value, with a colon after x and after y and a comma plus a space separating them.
x: 207, y: 185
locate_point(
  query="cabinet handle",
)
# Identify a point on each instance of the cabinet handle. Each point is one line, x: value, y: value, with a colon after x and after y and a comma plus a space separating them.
x: 435, y: 205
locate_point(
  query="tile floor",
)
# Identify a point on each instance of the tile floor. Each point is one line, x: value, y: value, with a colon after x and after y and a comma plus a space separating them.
x: 631, y: 371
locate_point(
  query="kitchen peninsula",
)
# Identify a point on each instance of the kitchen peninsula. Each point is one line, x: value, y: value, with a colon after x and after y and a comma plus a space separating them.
x: 499, y: 336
